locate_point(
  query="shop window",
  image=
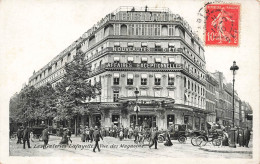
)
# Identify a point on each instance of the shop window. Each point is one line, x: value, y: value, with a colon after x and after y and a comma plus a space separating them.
x: 116, y: 60
x: 130, y: 44
x: 186, y: 119
x: 115, y: 95
x: 171, y: 60
x: 171, y: 79
x: 116, y: 44
x: 130, y: 60
x: 116, y: 78
x: 144, y: 60
x: 158, y: 47
x: 157, y: 79
x: 143, y: 79
x: 144, y: 44
x: 116, y: 120
x: 157, y: 60
x: 130, y: 79
x: 170, y: 120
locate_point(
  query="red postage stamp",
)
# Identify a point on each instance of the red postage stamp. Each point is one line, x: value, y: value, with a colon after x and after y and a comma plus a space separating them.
x: 222, y: 24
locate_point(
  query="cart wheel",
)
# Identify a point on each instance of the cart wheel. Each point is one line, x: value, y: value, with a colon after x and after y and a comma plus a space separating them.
x: 193, y: 141
x: 160, y: 139
x: 182, y: 139
x: 216, y: 142
x: 201, y: 141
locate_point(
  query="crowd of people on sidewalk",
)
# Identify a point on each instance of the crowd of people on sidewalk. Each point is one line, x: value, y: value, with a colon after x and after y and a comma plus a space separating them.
x: 139, y: 134
x: 242, y: 135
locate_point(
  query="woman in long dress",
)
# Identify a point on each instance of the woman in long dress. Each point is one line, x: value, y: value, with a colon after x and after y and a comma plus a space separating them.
x: 168, y: 139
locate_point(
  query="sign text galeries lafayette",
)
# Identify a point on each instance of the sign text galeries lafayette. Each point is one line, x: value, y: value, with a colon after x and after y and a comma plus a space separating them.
x: 142, y: 65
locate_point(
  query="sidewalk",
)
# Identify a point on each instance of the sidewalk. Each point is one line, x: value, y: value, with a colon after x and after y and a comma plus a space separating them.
x: 226, y: 149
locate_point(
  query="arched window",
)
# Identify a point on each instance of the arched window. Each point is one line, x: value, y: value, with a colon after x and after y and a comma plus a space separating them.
x: 164, y: 30
x: 108, y: 30
x: 123, y: 30
x: 188, y: 84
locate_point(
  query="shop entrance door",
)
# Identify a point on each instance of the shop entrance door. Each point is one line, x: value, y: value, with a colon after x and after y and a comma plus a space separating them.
x: 115, y: 120
x: 146, y: 121
x: 170, y: 120
x: 97, y: 120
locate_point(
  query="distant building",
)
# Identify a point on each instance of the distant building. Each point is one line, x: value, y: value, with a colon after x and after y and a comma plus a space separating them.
x: 211, y: 94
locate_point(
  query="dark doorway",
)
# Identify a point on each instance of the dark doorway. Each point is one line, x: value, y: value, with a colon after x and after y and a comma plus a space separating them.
x: 170, y: 120
x: 115, y: 120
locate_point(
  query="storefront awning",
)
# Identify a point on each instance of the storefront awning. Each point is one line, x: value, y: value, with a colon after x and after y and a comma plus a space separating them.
x: 147, y: 99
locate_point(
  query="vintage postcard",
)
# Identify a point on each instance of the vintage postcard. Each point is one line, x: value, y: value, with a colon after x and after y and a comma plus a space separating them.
x: 151, y: 81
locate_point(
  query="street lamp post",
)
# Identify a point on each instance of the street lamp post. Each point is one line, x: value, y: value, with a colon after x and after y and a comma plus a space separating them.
x: 136, y: 108
x: 233, y: 68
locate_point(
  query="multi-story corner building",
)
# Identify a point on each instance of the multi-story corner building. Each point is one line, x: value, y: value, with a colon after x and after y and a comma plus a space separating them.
x: 211, y: 94
x: 151, y: 50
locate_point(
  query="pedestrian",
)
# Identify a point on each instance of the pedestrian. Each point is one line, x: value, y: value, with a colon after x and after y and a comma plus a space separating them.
x: 26, y: 137
x: 141, y: 135
x: 130, y: 133
x: 96, y: 137
x: 19, y: 135
x: 136, y: 134
x: 64, y: 139
x: 91, y: 131
x: 45, y: 137
x: 225, y: 138
x: 247, y: 135
x: 154, y: 138
x: 83, y: 134
x: 87, y: 134
x: 121, y: 135
x: 241, y: 137
x: 69, y: 135
x: 126, y: 133
x: 168, y: 139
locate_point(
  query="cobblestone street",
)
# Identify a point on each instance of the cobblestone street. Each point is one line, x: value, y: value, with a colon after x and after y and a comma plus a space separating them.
x: 112, y: 147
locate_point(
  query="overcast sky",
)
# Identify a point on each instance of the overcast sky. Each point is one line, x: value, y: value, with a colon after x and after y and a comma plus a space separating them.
x: 34, y: 32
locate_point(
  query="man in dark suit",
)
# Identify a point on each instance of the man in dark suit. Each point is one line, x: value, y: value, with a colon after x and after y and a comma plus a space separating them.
x: 26, y: 137
x: 45, y: 137
x: 91, y: 131
x: 96, y: 137
x: 247, y: 137
x: 154, y: 138
x: 19, y: 135
x: 136, y: 134
x: 241, y: 137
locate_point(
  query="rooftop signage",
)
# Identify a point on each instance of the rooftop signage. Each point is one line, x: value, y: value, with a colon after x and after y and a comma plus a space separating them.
x: 142, y: 49
x: 142, y: 65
